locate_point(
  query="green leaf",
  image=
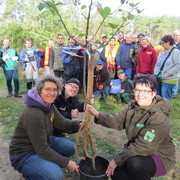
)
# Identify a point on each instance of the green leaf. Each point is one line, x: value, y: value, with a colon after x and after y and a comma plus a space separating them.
x: 105, y: 12
x: 131, y: 4
x: 83, y: 6
x: 53, y: 7
x: 120, y: 10
x: 81, y: 35
x: 59, y: 3
x: 41, y: 6
x: 113, y: 26
x: 130, y: 16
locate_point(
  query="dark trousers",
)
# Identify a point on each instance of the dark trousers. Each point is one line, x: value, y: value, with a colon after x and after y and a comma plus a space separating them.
x: 12, y: 74
x: 136, y: 168
x: 59, y: 74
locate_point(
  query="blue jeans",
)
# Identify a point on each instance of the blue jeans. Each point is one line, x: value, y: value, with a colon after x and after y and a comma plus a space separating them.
x: 104, y: 92
x: 167, y: 90
x: 12, y: 74
x: 175, y: 89
x: 37, y: 168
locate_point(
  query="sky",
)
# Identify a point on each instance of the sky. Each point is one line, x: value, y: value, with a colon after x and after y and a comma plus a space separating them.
x: 151, y: 7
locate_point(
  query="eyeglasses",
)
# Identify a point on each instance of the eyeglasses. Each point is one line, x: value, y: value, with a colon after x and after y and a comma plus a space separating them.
x: 74, y: 86
x: 48, y: 90
x: 144, y: 92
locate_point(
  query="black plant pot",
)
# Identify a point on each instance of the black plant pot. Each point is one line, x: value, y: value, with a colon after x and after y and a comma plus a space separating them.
x: 88, y: 173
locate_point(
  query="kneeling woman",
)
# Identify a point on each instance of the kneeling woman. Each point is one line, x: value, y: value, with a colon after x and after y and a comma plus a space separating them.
x: 150, y: 151
x: 34, y: 151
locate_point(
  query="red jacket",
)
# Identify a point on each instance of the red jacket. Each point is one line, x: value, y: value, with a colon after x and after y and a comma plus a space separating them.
x: 146, y: 60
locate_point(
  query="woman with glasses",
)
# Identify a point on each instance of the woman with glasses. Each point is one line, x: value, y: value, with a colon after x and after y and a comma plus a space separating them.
x: 149, y: 151
x: 34, y: 151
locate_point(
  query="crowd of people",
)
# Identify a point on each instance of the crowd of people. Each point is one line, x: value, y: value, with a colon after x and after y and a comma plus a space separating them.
x: 39, y: 149
x: 134, y: 55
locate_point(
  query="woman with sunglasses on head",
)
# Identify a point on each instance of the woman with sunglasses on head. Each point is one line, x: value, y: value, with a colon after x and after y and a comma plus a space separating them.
x: 150, y: 151
x: 34, y: 151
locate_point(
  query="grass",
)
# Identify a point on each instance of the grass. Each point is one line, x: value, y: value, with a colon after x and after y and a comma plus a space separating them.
x: 11, y: 109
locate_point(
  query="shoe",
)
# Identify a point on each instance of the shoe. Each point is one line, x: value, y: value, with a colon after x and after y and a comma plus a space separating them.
x: 9, y: 95
x: 17, y: 95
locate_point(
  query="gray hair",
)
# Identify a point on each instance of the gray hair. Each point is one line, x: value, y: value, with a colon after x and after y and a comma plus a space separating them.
x: 47, y: 78
x: 146, y: 38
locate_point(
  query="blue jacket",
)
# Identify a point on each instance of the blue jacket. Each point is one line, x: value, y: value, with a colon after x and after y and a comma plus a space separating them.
x: 124, y: 55
x: 23, y: 56
x: 71, y: 63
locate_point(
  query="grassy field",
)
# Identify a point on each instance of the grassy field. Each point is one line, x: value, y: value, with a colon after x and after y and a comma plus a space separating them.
x: 10, y: 110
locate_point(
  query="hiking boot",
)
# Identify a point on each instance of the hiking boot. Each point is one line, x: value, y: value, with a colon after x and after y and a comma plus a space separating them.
x: 17, y: 95
x: 9, y: 94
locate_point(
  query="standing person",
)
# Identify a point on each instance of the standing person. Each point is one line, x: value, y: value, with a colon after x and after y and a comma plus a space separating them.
x: 70, y: 56
x: 168, y: 67
x: 30, y: 58
x: 45, y: 61
x: 176, y: 37
x: 56, y: 64
x: 103, y: 42
x: 34, y: 151
x: 10, y: 66
x: 150, y: 151
x: 124, y: 56
x: 101, y: 81
x: 146, y: 58
x: 108, y: 56
x: 121, y: 39
x: 126, y: 94
x: 137, y: 47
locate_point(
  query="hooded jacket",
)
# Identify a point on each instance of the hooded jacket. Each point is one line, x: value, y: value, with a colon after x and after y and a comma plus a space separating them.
x: 138, y: 122
x: 34, y: 132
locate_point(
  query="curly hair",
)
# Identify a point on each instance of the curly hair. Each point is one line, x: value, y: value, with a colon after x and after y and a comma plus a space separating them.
x: 47, y: 78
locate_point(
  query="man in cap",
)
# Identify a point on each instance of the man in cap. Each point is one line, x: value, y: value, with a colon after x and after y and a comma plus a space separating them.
x: 126, y: 94
x: 67, y: 102
x: 101, y: 81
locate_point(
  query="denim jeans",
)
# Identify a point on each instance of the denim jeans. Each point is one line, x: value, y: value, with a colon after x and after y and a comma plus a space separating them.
x: 37, y: 168
x: 167, y: 90
x: 12, y: 74
x: 175, y: 89
x: 104, y: 92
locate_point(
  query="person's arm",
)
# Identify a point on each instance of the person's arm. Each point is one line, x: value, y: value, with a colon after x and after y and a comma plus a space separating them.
x: 36, y: 129
x: 65, y: 124
x: 22, y: 56
x: 154, y: 60
x: 102, y: 55
x: 149, y: 139
x: 113, y: 121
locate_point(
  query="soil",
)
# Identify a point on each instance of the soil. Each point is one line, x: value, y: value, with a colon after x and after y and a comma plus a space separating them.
x: 93, y: 168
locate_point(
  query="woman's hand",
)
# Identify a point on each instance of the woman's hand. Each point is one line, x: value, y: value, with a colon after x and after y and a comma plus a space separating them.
x: 72, y: 166
x: 111, y: 167
x: 92, y: 110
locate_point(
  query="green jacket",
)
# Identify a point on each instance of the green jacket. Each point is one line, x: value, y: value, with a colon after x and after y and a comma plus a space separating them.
x: 56, y: 58
x: 8, y: 64
x: 138, y: 123
x: 33, y: 132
